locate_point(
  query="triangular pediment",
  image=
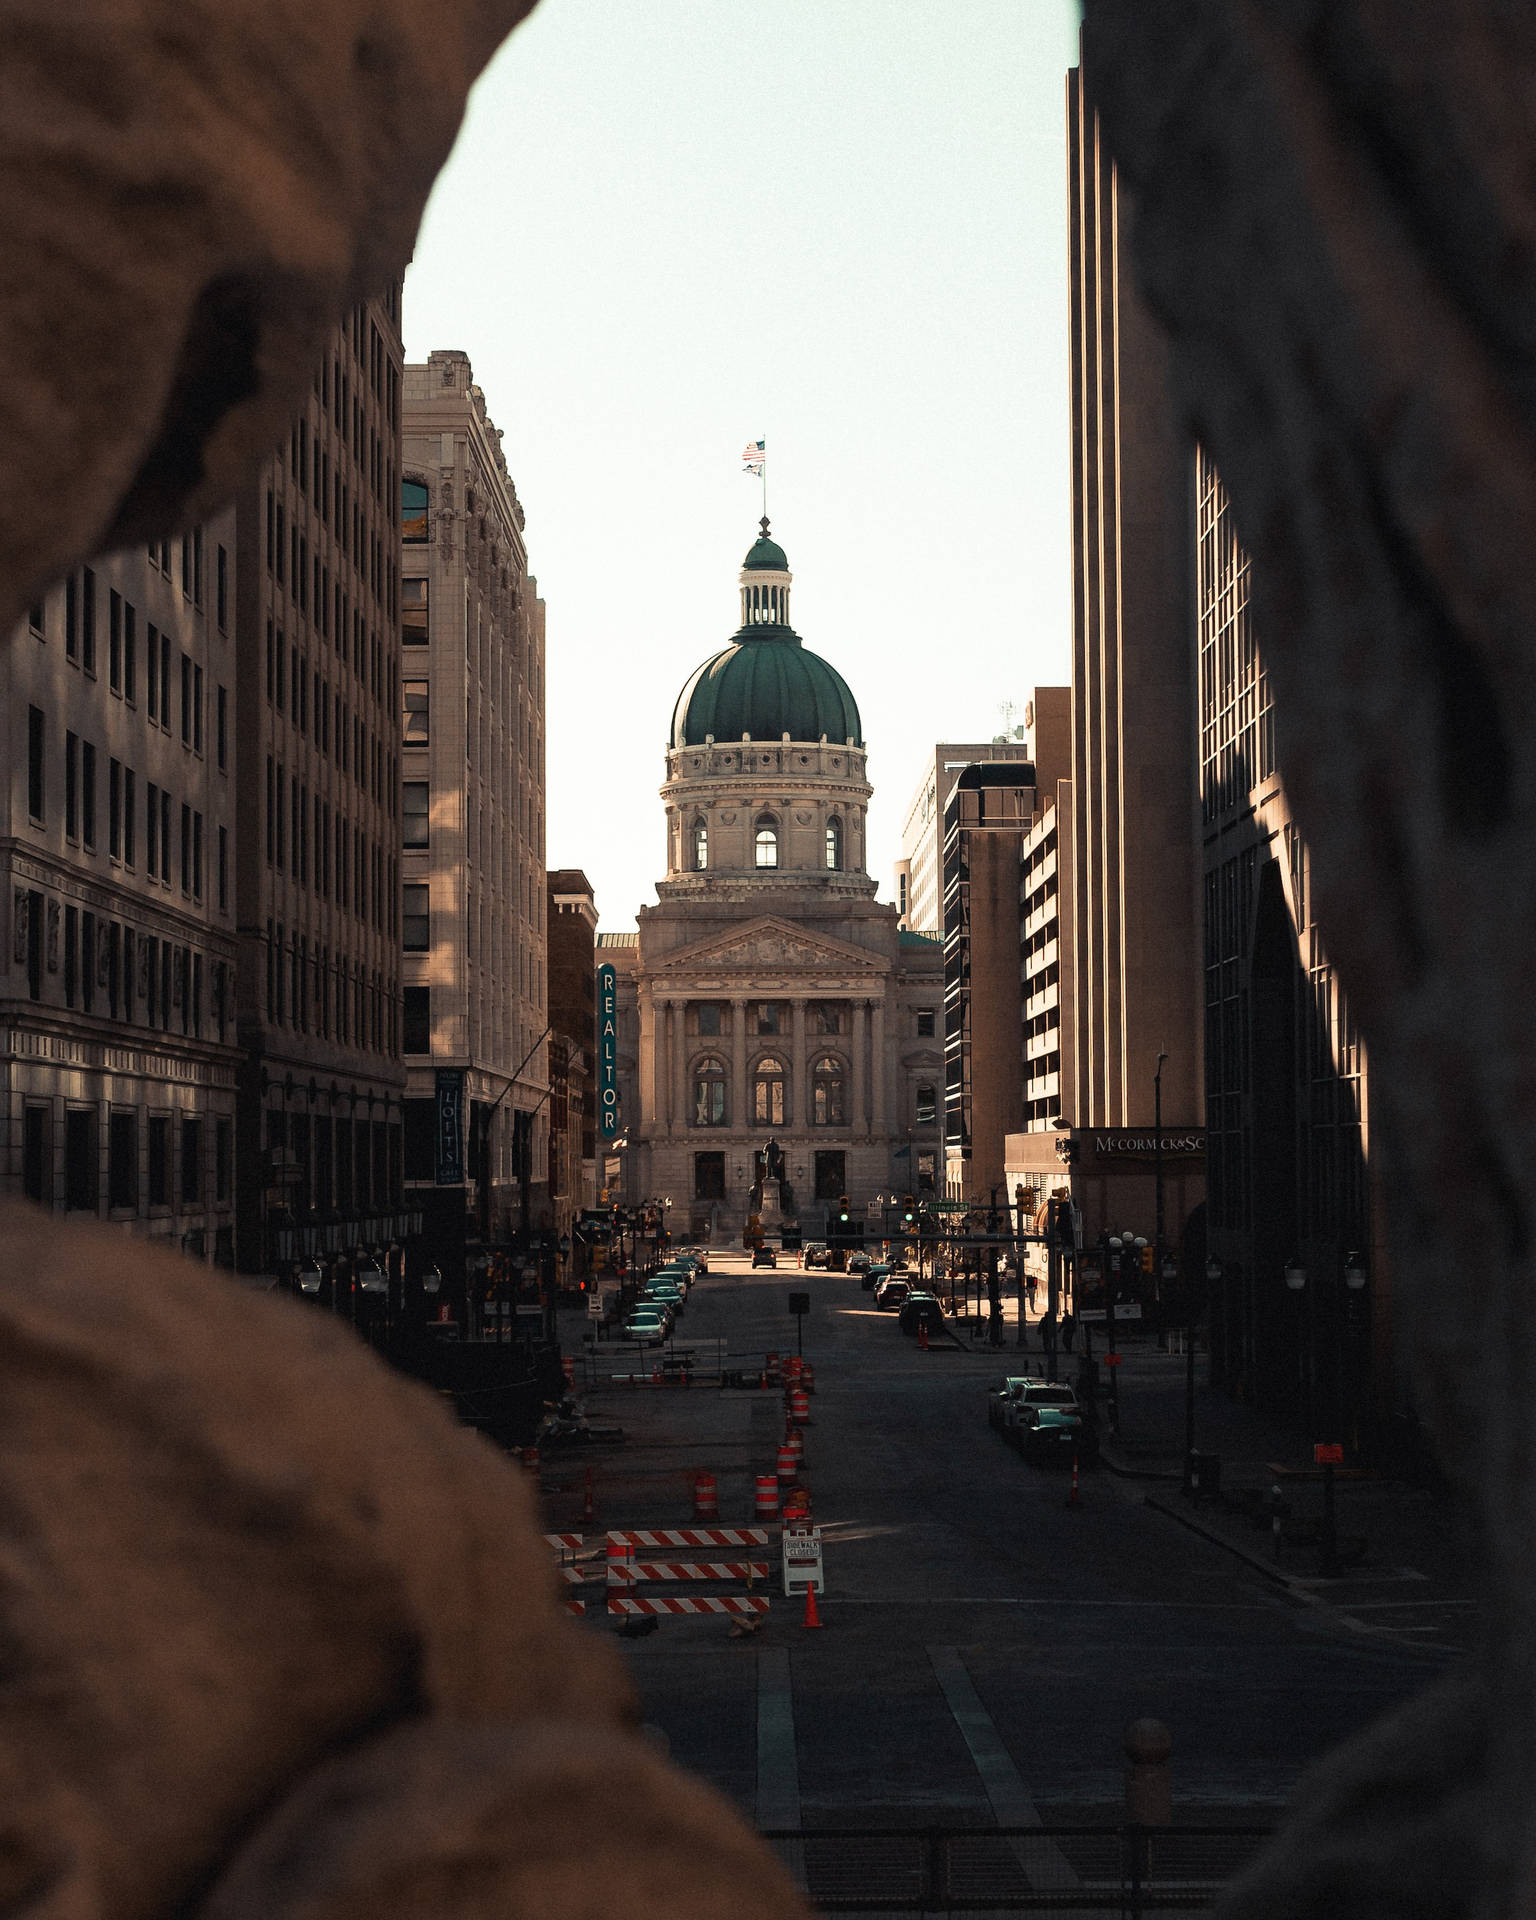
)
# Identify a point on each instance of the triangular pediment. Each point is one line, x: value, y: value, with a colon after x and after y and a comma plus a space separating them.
x: 772, y: 945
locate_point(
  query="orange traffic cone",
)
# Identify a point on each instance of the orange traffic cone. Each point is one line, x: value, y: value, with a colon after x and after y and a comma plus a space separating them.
x: 812, y: 1617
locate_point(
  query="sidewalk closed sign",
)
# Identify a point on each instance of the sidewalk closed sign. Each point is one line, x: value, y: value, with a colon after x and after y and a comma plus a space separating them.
x: 802, y: 1559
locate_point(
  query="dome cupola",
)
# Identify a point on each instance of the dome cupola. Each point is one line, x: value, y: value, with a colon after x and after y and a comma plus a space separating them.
x: 766, y: 685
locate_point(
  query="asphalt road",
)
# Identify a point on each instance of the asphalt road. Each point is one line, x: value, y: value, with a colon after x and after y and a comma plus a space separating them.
x: 984, y: 1643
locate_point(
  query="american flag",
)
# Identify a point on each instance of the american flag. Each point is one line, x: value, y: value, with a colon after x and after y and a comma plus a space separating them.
x: 754, y: 456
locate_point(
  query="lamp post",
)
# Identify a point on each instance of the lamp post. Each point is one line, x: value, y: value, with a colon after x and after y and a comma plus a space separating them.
x: 1157, y: 1157
x: 1114, y: 1244
x: 1356, y: 1311
x: 1212, y: 1279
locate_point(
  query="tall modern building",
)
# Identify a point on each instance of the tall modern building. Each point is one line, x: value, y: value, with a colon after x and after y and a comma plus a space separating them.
x: 1135, y: 881
x: 779, y: 1039
x: 1287, y: 1091
x: 117, y: 981
x: 474, y: 924
x: 316, y: 874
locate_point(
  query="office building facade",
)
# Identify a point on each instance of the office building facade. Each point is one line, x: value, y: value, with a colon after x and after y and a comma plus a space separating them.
x: 474, y: 898
x: 117, y: 981
x: 317, y: 714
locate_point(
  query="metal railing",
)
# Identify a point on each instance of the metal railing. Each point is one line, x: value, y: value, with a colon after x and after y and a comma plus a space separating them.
x: 1121, y: 1872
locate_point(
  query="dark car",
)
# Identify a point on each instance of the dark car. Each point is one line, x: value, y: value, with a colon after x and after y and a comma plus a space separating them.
x: 815, y: 1253
x: 891, y: 1292
x: 921, y: 1310
x: 1048, y: 1434
x: 764, y: 1257
x: 858, y: 1262
x: 872, y: 1275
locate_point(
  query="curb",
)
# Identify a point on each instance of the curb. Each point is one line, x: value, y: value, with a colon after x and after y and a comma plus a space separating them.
x: 1251, y: 1560
x: 1124, y: 1472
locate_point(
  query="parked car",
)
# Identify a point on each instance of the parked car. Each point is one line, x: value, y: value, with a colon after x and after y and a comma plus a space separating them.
x: 647, y: 1326
x: 858, y: 1263
x: 699, y: 1258
x: 815, y: 1253
x: 1020, y: 1393
x: 873, y: 1274
x: 1045, y: 1434
x: 1001, y: 1397
x: 891, y: 1293
x: 764, y: 1257
x: 921, y: 1310
x: 681, y: 1274
x: 666, y: 1293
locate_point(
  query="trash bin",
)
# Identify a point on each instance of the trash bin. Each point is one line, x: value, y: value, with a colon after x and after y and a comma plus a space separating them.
x: 1205, y: 1474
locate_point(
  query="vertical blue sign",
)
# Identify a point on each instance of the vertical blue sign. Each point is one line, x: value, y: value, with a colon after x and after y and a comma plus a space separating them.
x: 608, y: 1050
x: 450, y: 1127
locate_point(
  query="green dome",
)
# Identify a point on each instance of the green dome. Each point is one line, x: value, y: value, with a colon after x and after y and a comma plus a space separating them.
x: 765, y: 684
x: 766, y: 555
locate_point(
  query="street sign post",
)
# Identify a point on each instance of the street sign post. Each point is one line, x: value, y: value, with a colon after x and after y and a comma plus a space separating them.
x: 800, y: 1306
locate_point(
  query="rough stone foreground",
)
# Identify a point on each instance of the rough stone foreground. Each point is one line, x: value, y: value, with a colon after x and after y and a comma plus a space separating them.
x: 271, y: 1618
x: 195, y: 191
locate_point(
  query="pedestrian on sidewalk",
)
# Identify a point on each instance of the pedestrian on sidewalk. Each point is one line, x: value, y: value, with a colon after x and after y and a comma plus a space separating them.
x: 1029, y: 1290
x: 1068, y: 1330
x: 1048, y: 1331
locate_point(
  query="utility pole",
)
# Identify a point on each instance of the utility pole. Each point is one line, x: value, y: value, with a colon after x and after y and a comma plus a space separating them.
x: 1052, y: 1286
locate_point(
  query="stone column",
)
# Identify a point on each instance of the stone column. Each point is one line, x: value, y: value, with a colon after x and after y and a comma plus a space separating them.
x: 860, y: 1102
x: 799, y: 1111
x: 879, y: 1119
x: 647, y: 1059
x: 679, y: 1065
x: 740, y: 1107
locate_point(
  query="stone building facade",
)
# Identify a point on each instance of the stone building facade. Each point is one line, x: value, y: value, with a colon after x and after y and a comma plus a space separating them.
x: 317, y: 705
x: 768, y: 995
x: 117, y: 980
x: 474, y: 901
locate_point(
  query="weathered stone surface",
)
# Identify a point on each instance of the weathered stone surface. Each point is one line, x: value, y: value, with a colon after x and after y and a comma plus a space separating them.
x: 539, y: 1824
x: 232, y: 1544
x: 1337, y: 223
x: 195, y: 190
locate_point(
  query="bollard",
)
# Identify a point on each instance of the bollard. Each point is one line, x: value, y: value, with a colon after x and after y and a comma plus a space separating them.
x: 1148, y: 1777
x: 766, y: 1506
x: 706, y: 1497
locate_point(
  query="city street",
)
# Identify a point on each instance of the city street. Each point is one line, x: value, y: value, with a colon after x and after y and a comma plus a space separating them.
x: 984, y: 1643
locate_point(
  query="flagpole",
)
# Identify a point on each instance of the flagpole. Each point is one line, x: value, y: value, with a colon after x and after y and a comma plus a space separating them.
x: 765, y: 483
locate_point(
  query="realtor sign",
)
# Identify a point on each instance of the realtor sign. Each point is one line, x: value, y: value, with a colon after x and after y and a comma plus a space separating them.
x: 607, y: 1050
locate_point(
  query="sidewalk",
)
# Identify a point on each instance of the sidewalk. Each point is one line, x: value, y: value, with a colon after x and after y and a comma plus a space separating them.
x: 1410, y: 1555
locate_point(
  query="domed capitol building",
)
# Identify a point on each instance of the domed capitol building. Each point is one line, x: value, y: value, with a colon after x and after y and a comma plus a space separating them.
x: 771, y: 1017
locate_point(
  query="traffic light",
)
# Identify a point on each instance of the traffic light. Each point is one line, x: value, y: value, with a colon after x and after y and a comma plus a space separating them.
x: 908, y: 1209
x: 842, y: 1209
x: 1148, y: 1259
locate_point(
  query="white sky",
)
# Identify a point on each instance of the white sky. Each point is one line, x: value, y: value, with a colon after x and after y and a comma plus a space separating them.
x: 838, y: 225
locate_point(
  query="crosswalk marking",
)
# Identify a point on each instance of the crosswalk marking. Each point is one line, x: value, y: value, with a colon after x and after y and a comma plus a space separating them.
x: 1004, y: 1784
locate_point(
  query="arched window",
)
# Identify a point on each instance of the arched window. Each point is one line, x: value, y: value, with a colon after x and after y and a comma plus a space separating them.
x: 413, y: 510
x: 828, y: 1090
x: 709, y: 1094
x: 700, y: 846
x: 768, y: 1093
x: 767, y: 842
x: 834, y: 844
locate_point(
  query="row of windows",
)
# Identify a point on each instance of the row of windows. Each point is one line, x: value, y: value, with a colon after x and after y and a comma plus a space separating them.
x: 338, y: 731
x: 108, y: 968
x: 326, y: 851
x: 311, y: 989
x: 341, y: 1161
x: 765, y: 843
x: 710, y: 1017
x: 81, y: 794
x: 828, y: 1107
x: 138, y: 1181
x: 123, y: 663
